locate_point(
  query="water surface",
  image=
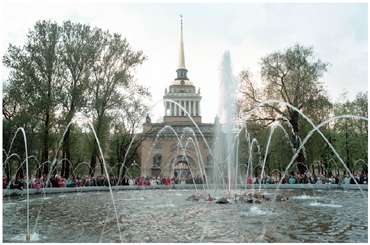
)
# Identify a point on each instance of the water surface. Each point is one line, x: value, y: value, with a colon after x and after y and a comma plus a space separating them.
x: 165, y: 216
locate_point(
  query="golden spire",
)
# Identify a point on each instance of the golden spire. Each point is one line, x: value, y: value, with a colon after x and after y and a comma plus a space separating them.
x: 181, y: 54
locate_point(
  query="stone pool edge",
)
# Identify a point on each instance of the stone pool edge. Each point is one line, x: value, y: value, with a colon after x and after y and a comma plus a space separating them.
x: 12, y: 192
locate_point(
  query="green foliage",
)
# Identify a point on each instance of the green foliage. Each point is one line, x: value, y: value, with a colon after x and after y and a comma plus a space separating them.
x: 293, y: 76
x: 62, y: 71
x: 351, y: 136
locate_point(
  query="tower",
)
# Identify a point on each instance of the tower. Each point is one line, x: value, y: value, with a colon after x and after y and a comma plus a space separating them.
x: 160, y: 151
x: 182, y: 97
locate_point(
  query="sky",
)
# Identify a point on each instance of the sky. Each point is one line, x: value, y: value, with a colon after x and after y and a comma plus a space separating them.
x: 338, y: 33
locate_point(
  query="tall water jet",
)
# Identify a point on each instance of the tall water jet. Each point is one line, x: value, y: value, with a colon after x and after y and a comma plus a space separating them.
x: 224, y: 149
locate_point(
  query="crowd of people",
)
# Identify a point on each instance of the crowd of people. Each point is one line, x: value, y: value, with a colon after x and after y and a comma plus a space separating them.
x: 308, y: 178
x: 58, y: 181
x: 292, y: 178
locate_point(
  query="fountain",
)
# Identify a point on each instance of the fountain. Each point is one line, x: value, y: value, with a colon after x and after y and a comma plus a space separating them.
x: 163, y: 214
x: 224, y: 152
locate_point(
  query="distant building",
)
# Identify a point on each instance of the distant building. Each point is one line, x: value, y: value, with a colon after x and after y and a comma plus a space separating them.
x: 164, y: 155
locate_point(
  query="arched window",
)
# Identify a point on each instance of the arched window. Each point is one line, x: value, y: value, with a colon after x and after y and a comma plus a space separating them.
x: 182, y: 167
x: 157, y: 160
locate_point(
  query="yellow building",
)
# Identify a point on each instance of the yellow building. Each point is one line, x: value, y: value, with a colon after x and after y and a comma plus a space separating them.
x: 166, y: 153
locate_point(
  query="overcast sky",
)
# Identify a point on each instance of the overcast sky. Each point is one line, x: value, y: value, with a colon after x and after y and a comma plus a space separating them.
x: 338, y: 33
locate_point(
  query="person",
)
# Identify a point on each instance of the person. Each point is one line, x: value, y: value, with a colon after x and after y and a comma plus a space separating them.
x: 61, y: 182
x: 313, y: 179
x: 5, y: 182
x: 346, y: 180
x: 147, y: 181
x: 292, y: 180
x: 319, y: 181
x: 249, y: 180
x: 269, y: 180
x: 130, y: 181
x: 352, y: 181
x: 53, y: 181
x: 78, y: 182
x: 70, y: 183
x: 336, y: 179
x: 163, y: 181
x: 256, y: 180
x: 363, y: 178
x: 35, y: 183
x: 17, y: 184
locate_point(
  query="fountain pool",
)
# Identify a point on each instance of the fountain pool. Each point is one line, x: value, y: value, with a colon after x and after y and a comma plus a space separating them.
x: 166, y: 216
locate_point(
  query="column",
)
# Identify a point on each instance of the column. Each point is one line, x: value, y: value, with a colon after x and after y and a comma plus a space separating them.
x: 191, y: 108
x: 197, y: 108
x: 182, y: 105
x: 187, y: 106
x: 177, y: 109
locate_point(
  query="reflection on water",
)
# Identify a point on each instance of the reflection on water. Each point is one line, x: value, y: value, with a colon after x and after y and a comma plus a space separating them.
x: 165, y: 216
x: 329, y: 205
x: 255, y: 210
x: 305, y: 197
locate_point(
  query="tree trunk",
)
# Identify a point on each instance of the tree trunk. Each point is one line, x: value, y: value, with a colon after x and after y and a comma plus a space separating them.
x: 66, y: 154
x: 347, y: 150
x: 45, y: 152
x: 294, y: 120
x: 102, y: 172
x: 38, y: 172
x: 7, y: 169
x: 66, y: 143
x: 94, y: 153
x: 93, y: 159
x: 45, y: 144
x: 21, y: 170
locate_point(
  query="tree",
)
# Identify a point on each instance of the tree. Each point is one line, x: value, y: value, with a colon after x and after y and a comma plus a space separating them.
x: 351, y: 135
x: 35, y: 77
x: 15, y: 117
x: 65, y: 70
x: 112, y: 82
x: 126, y: 140
x: 291, y: 76
x: 79, y: 48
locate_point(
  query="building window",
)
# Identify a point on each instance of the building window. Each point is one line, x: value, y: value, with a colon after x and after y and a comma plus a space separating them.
x: 167, y: 108
x: 182, y: 110
x: 177, y: 108
x: 191, y: 108
x: 157, y: 160
x: 172, y: 109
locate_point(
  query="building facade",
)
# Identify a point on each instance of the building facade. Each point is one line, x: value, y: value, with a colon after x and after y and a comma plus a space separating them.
x: 180, y: 145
